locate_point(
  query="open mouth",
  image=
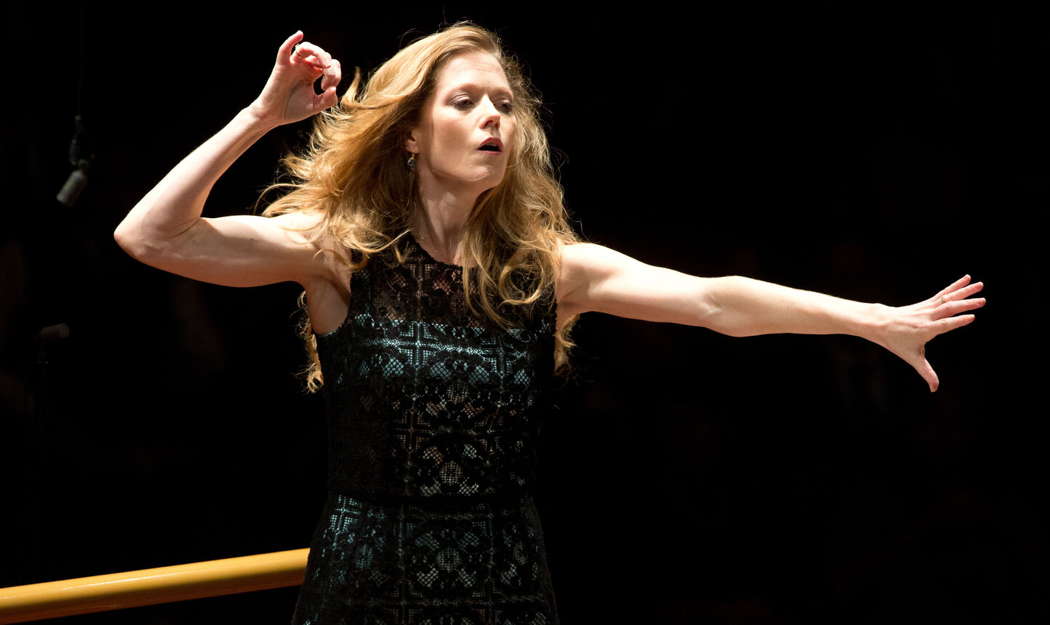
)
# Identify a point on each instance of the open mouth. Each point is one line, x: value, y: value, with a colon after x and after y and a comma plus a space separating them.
x: 490, y: 148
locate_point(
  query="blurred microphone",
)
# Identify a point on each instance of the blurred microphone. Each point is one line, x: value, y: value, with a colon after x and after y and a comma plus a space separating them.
x: 70, y: 192
x: 77, y: 181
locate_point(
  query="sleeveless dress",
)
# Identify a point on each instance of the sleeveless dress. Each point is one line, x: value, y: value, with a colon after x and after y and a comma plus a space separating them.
x: 433, y: 420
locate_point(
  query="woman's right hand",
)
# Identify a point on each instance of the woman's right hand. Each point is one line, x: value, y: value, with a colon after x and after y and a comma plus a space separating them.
x: 289, y: 93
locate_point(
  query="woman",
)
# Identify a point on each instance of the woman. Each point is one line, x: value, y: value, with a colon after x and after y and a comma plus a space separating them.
x: 440, y: 281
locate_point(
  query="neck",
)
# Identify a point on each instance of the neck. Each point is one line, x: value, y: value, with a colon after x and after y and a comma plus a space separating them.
x: 441, y: 223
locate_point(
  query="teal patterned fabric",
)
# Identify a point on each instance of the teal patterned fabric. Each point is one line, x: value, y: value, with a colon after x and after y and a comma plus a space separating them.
x: 433, y: 421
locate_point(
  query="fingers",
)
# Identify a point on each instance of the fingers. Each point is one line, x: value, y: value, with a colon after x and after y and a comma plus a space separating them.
x: 285, y: 51
x: 951, y: 308
x: 930, y: 375
x: 957, y: 291
x: 965, y: 291
x: 332, y: 75
x: 951, y: 323
x: 307, y: 52
x: 959, y: 283
x: 953, y: 286
x: 330, y: 98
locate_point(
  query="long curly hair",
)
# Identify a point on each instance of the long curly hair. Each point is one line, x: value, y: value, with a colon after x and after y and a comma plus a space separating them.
x: 352, y: 175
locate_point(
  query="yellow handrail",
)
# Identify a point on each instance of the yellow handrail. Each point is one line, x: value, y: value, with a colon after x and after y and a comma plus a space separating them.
x: 149, y: 586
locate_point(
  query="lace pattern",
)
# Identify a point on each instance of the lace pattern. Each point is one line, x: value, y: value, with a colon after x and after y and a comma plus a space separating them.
x: 433, y: 421
x: 426, y: 400
x: 483, y: 564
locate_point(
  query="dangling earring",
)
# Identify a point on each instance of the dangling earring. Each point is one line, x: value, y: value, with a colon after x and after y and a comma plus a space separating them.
x: 412, y: 163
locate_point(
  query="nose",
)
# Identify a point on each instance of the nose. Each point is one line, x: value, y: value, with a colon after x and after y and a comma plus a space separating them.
x: 491, y: 114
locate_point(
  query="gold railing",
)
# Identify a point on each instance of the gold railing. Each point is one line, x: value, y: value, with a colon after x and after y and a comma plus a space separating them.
x: 150, y: 586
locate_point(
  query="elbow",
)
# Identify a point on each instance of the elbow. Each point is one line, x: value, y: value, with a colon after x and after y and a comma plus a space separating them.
x: 708, y: 308
x: 138, y: 247
x: 141, y: 239
x: 127, y: 241
x: 717, y: 314
x: 123, y: 238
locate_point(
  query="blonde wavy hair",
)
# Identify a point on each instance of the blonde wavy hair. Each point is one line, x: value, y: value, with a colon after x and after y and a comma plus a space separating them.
x: 353, y: 176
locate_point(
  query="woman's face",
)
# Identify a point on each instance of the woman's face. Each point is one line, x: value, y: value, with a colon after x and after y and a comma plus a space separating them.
x: 472, y: 103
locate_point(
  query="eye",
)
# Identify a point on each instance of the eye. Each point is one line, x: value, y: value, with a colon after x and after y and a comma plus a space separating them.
x: 508, y: 106
x: 461, y: 103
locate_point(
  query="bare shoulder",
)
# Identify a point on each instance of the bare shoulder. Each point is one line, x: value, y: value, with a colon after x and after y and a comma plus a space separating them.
x: 306, y: 229
x: 584, y: 265
x: 583, y: 255
x: 582, y: 262
x: 600, y: 279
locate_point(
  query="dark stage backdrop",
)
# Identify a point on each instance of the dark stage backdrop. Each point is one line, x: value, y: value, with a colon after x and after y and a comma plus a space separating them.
x: 874, y: 153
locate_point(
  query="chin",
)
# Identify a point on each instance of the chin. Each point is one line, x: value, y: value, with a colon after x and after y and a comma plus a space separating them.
x: 491, y: 180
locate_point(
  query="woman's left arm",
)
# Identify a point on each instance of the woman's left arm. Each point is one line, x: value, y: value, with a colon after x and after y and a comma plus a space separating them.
x: 597, y: 278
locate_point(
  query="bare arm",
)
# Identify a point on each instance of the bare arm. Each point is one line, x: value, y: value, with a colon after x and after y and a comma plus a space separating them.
x: 751, y: 307
x: 596, y: 278
x: 165, y: 228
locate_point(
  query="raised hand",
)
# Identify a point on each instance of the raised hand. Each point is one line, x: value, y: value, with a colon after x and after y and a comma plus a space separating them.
x: 906, y: 329
x: 289, y: 93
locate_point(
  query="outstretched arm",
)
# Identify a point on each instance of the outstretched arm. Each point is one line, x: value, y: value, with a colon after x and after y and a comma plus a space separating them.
x: 597, y: 278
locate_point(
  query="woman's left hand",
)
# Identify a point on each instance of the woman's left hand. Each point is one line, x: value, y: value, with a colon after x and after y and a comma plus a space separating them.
x: 905, y: 330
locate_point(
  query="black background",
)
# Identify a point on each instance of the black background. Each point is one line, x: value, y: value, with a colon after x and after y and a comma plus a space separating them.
x: 876, y: 152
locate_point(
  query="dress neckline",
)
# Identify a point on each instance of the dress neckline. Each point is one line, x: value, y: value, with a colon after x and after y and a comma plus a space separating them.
x: 427, y: 254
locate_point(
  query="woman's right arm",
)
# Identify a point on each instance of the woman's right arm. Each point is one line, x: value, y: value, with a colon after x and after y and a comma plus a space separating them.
x: 165, y: 228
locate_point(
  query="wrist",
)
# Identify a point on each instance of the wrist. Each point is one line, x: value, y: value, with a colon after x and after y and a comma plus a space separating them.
x: 255, y: 118
x: 871, y: 324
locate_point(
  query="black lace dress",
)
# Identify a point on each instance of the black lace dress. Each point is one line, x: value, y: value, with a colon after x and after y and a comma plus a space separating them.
x: 433, y: 420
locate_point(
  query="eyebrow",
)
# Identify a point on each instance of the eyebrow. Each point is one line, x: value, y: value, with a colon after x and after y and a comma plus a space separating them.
x: 474, y: 87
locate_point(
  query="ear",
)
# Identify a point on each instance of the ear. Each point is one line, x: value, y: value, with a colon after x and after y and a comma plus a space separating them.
x: 411, y: 144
